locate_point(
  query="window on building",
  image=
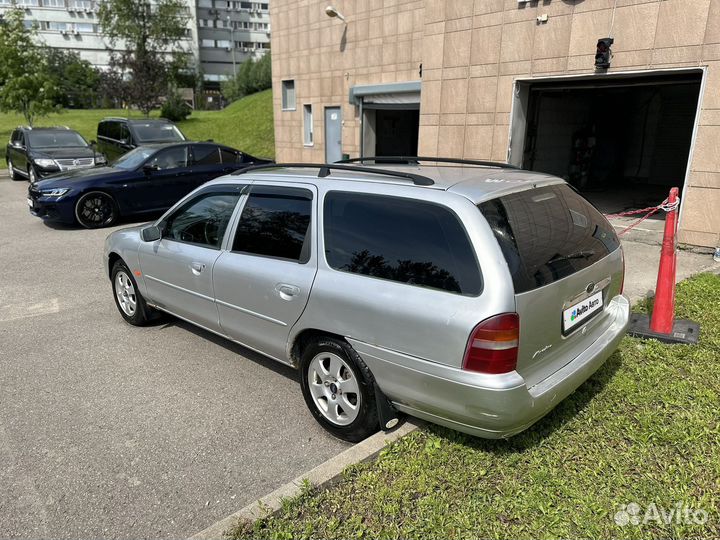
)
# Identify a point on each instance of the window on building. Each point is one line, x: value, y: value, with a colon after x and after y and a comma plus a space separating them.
x: 207, y: 43
x: 205, y: 3
x: 27, y: 3
x: 85, y: 28
x: 288, y: 95
x: 79, y: 4
x: 223, y: 43
x: 5, y: 2
x: 264, y: 7
x: 53, y: 3
x: 307, y: 124
x: 246, y: 5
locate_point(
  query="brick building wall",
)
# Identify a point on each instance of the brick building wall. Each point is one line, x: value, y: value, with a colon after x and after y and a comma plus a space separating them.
x: 472, y: 52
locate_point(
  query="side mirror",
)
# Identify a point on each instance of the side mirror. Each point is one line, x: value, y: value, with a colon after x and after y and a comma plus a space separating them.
x: 124, y: 141
x: 93, y: 142
x: 147, y: 169
x: 151, y: 233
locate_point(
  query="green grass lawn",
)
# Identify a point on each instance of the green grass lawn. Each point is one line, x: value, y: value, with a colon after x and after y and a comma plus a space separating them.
x: 246, y: 124
x: 644, y: 429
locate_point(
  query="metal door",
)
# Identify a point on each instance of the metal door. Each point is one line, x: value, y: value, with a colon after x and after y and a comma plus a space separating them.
x: 333, y: 134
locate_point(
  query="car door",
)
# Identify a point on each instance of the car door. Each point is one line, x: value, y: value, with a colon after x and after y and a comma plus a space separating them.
x: 263, y: 281
x: 167, y: 178
x: 178, y: 268
x: 11, y: 150
x: 207, y: 163
x: 108, y: 139
x: 20, y: 159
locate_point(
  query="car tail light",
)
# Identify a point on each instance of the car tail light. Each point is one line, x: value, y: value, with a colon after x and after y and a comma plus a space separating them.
x: 493, y: 345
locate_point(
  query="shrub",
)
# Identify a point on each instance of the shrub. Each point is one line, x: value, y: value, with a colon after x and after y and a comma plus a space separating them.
x: 175, y: 108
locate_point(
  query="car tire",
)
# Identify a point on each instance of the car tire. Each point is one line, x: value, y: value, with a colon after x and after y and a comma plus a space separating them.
x: 31, y: 174
x: 96, y: 209
x: 128, y: 299
x: 11, y: 171
x: 339, y: 389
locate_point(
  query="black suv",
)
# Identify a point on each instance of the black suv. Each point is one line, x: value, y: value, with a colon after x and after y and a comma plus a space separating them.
x: 34, y: 153
x: 117, y: 136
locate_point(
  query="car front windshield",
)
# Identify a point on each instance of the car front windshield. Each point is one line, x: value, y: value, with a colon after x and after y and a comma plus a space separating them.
x: 55, y: 139
x: 134, y: 158
x: 157, y: 132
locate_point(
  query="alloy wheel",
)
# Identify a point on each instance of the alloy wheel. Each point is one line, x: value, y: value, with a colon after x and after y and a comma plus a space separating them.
x: 95, y: 210
x: 125, y: 292
x: 334, y: 388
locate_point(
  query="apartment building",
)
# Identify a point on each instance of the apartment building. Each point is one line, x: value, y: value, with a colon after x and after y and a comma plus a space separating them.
x: 516, y: 81
x: 230, y: 32
x: 221, y: 34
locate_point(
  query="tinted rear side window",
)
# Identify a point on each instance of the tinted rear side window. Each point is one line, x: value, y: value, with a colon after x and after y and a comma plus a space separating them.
x: 228, y: 156
x: 547, y: 234
x: 205, y: 155
x: 402, y: 240
x: 275, y: 223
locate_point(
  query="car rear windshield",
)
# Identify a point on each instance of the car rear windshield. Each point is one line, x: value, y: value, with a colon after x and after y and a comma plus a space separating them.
x: 155, y: 132
x: 55, y: 139
x: 547, y: 234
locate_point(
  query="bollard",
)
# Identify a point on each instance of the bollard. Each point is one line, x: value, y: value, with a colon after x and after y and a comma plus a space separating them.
x: 662, y: 325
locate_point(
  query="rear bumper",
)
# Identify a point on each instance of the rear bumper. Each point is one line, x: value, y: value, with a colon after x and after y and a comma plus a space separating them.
x: 490, y: 406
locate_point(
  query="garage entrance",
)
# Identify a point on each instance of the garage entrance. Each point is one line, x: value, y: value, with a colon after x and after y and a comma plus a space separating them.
x: 389, y: 118
x: 390, y: 130
x: 623, y: 141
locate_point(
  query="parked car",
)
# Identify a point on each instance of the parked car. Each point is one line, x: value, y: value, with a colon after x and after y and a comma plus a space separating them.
x: 473, y: 296
x: 117, y: 136
x: 34, y: 153
x: 148, y: 179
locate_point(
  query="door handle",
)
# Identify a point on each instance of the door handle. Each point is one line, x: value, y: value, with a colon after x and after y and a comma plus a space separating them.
x: 197, y: 268
x: 286, y: 291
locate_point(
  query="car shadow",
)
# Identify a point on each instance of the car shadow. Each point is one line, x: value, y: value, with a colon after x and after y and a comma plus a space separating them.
x: 565, y: 411
x: 168, y: 321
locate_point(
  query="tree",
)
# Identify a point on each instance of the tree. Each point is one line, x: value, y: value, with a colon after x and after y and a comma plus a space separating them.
x: 24, y: 83
x: 77, y: 79
x: 151, y: 33
x: 253, y: 76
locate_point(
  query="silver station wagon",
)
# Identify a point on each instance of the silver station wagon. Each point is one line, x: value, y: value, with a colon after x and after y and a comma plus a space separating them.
x: 470, y: 294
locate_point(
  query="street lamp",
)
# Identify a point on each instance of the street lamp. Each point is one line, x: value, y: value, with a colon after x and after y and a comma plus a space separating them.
x: 330, y: 11
x: 232, y: 43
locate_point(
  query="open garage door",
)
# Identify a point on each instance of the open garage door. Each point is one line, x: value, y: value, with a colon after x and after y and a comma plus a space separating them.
x: 621, y: 140
x: 390, y: 118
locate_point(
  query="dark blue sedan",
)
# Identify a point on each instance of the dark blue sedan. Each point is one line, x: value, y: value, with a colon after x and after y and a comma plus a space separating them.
x: 149, y: 179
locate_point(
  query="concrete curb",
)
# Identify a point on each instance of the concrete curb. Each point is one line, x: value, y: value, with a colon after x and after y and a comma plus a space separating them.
x: 321, y: 476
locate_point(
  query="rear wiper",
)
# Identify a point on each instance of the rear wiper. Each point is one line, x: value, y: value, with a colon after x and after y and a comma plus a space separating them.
x: 577, y: 255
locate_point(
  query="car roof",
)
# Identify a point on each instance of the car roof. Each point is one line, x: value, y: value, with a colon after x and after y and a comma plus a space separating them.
x: 137, y: 120
x: 47, y: 128
x: 158, y: 145
x: 477, y: 183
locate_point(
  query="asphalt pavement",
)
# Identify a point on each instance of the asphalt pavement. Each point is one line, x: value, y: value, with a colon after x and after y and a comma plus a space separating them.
x: 107, y: 430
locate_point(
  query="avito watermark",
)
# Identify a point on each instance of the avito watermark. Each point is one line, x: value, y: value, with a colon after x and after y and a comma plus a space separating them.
x: 679, y: 513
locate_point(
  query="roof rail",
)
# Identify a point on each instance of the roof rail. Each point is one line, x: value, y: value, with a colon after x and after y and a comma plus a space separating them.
x: 415, y: 160
x: 326, y: 168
